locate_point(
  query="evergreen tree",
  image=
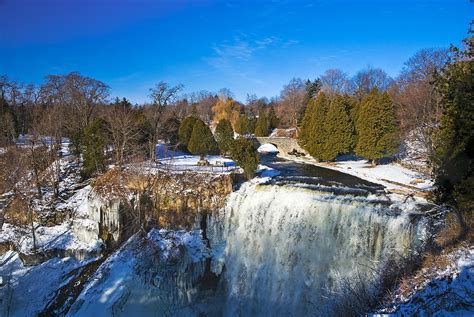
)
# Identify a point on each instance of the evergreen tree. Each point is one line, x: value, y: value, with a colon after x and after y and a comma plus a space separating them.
x: 262, y: 125
x: 376, y: 128
x: 339, y: 128
x: 243, y: 125
x: 313, y: 88
x: 185, y: 130
x: 272, y: 118
x: 313, y: 135
x: 224, y: 136
x: 454, y: 140
x: 244, y: 154
x: 7, y: 124
x: 202, y: 141
x: 94, y: 146
x: 169, y: 131
x: 252, y: 123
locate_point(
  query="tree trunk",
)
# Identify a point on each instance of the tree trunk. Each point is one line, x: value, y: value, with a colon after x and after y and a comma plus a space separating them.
x: 38, y: 185
x: 2, y: 218
x: 30, y: 216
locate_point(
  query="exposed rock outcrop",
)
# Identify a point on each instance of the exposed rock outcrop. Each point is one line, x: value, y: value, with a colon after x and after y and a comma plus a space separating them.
x: 121, y: 203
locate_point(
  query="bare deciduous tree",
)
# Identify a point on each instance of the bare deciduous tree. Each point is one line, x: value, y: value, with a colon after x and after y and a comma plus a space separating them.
x: 334, y: 81
x: 162, y: 95
x: 366, y: 80
x: 291, y: 105
x: 80, y: 96
x: 416, y: 101
x: 123, y: 130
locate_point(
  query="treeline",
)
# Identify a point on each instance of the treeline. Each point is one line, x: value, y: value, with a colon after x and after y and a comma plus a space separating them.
x: 104, y: 132
x: 74, y: 106
x: 431, y: 103
x: 368, y: 114
x: 340, y: 124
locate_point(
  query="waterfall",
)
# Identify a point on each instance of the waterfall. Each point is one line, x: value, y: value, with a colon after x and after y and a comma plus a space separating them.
x: 272, y: 250
x: 297, y: 252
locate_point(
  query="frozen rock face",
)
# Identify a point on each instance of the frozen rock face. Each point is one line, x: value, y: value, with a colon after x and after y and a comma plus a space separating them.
x: 174, y: 201
x: 96, y: 217
x: 158, y: 274
x: 298, y: 252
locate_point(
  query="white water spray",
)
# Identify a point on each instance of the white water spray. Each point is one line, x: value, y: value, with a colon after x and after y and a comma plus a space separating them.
x: 290, y: 251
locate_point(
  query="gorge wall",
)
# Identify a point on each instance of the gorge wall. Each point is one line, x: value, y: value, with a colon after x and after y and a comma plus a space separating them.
x: 120, y: 203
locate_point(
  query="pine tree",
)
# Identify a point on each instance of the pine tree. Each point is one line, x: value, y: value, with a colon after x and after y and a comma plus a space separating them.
x: 202, y: 141
x: 7, y: 123
x: 170, y: 130
x: 313, y: 130
x: 244, y: 154
x: 272, y: 118
x: 224, y: 136
x: 185, y: 130
x: 252, y: 123
x: 454, y: 140
x: 376, y: 127
x: 339, y: 128
x: 243, y: 125
x: 313, y: 88
x: 94, y: 146
x: 262, y: 125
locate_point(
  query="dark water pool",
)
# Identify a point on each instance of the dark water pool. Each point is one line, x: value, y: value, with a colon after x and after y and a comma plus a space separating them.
x: 303, y: 174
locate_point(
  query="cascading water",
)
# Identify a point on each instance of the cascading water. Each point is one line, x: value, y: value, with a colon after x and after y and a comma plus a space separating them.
x: 298, y: 252
x: 306, y: 243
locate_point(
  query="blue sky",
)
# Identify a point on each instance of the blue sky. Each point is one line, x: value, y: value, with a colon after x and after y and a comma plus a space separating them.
x: 246, y: 46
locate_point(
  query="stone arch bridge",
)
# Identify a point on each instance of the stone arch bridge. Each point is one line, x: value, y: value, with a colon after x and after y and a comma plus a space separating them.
x: 284, y: 145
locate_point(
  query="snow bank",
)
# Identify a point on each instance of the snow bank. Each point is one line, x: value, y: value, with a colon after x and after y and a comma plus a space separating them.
x: 194, y: 159
x: 267, y: 148
x: 381, y: 173
x: 449, y: 290
x: 47, y: 238
x: 31, y: 288
x: 265, y: 173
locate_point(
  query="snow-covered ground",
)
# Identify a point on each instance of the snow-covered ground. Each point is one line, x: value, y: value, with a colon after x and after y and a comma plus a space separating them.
x: 60, y: 237
x: 384, y: 174
x: 194, y: 159
x: 147, y: 276
x: 57, y: 237
x: 217, y: 164
x: 28, y: 289
x: 444, y: 291
x: 178, y: 160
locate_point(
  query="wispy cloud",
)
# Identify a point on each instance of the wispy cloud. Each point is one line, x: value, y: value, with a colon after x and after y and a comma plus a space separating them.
x: 242, y: 50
